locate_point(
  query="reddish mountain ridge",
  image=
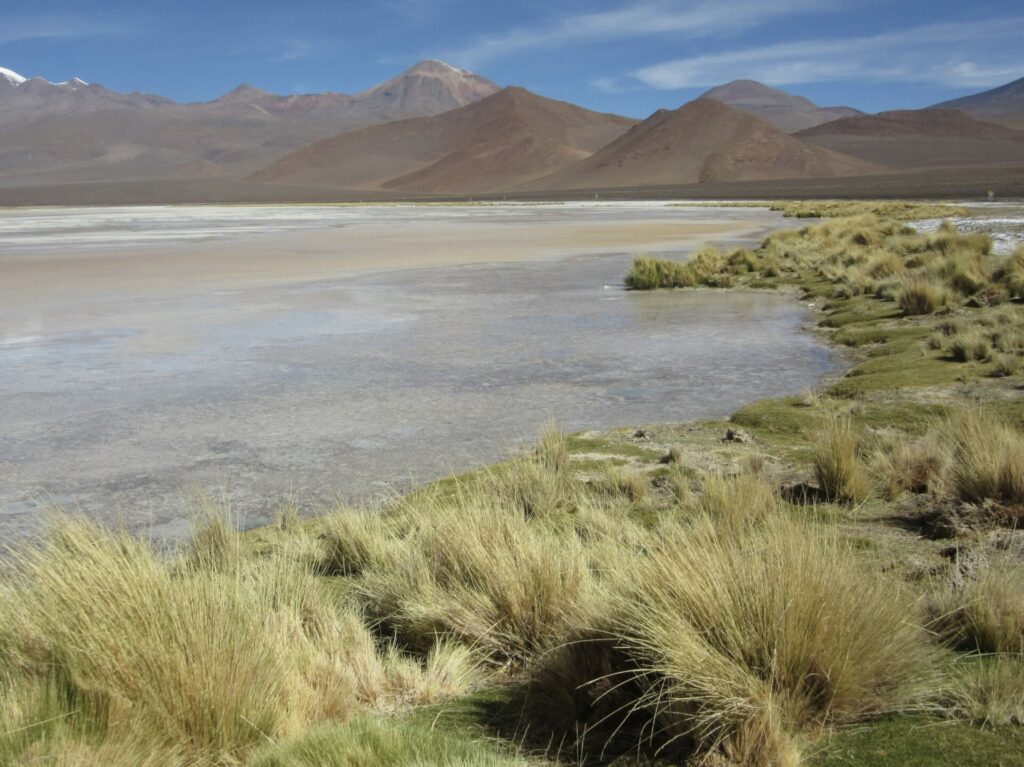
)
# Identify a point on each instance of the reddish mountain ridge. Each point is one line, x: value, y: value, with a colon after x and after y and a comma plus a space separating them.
x: 1003, y: 105
x: 702, y: 141
x: 920, y: 138
x: 502, y: 141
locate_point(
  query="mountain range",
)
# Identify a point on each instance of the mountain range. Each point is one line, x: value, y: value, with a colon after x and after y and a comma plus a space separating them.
x: 67, y: 132
x: 785, y: 111
x: 499, y: 142
x: 436, y: 129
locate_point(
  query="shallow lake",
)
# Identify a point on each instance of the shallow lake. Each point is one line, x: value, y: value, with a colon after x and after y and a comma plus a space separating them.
x: 125, y: 404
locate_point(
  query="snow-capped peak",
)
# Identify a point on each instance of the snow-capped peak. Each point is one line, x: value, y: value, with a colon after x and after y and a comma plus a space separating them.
x: 444, y: 64
x: 11, y: 78
x: 436, y: 65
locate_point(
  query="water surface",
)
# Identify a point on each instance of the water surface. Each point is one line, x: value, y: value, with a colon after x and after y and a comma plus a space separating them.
x: 356, y: 386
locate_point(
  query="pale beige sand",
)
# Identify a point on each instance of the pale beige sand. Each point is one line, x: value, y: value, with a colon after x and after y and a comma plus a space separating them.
x: 65, y: 287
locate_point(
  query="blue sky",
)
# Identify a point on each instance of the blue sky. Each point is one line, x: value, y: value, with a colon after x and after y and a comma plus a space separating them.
x: 626, y: 56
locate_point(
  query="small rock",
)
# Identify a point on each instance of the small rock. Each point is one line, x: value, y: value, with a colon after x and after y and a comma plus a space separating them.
x: 642, y: 434
x: 968, y: 562
x: 675, y: 455
x: 736, y: 435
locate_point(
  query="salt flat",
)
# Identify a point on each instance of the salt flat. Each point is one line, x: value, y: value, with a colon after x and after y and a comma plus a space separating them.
x: 316, y: 352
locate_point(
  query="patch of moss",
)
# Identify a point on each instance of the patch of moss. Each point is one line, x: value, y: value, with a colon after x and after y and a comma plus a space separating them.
x: 789, y: 417
x: 922, y: 742
x: 611, y: 446
x: 892, y: 337
x: 839, y: 314
x: 896, y: 371
x: 905, y: 415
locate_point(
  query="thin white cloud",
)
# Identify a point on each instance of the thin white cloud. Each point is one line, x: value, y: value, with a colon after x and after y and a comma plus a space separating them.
x: 686, y: 18
x: 15, y: 30
x: 944, y: 54
x: 295, y: 49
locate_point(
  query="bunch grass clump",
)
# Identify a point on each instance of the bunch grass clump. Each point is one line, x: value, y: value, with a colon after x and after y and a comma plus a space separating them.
x: 735, y: 501
x: 987, y: 458
x: 706, y: 267
x: 920, y: 296
x: 733, y: 645
x: 190, y: 660
x: 985, y: 614
x: 496, y: 579
x: 987, y: 691
x: 970, y: 347
x: 838, y: 463
x: 919, y: 465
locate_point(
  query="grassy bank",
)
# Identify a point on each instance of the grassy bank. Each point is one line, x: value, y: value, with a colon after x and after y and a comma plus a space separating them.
x: 827, y: 579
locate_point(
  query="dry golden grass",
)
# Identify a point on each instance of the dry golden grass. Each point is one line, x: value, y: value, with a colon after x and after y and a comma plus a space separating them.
x: 985, y: 614
x: 354, y: 541
x: 191, y: 656
x: 624, y: 482
x: 895, y: 210
x: 987, y: 458
x: 918, y: 465
x: 970, y: 347
x: 920, y: 296
x: 736, y: 644
x: 703, y: 617
x: 734, y: 501
x: 987, y: 691
x: 706, y: 267
x: 838, y: 464
x: 377, y: 742
x: 498, y: 580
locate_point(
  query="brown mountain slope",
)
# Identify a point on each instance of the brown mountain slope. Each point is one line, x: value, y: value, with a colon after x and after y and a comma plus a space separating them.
x: 920, y: 138
x: 1003, y: 105
x: 429, y: 88
x: 783, y: 110
x: 702, y: 141
x: 494, y: 144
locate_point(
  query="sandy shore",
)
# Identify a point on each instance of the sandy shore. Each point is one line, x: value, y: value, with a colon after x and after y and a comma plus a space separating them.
x: 54, y: 280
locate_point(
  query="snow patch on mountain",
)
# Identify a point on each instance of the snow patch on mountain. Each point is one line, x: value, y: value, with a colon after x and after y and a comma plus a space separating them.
x: 10, y: 77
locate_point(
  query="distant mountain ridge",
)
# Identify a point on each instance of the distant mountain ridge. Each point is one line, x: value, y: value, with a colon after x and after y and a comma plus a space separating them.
x: 785, y: 111
x: 917, y: 138
x: 437, y: 129
x: 496, y: 143
x: 702, y: 141
x: 79, y: 132
x: 1004, y: 105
